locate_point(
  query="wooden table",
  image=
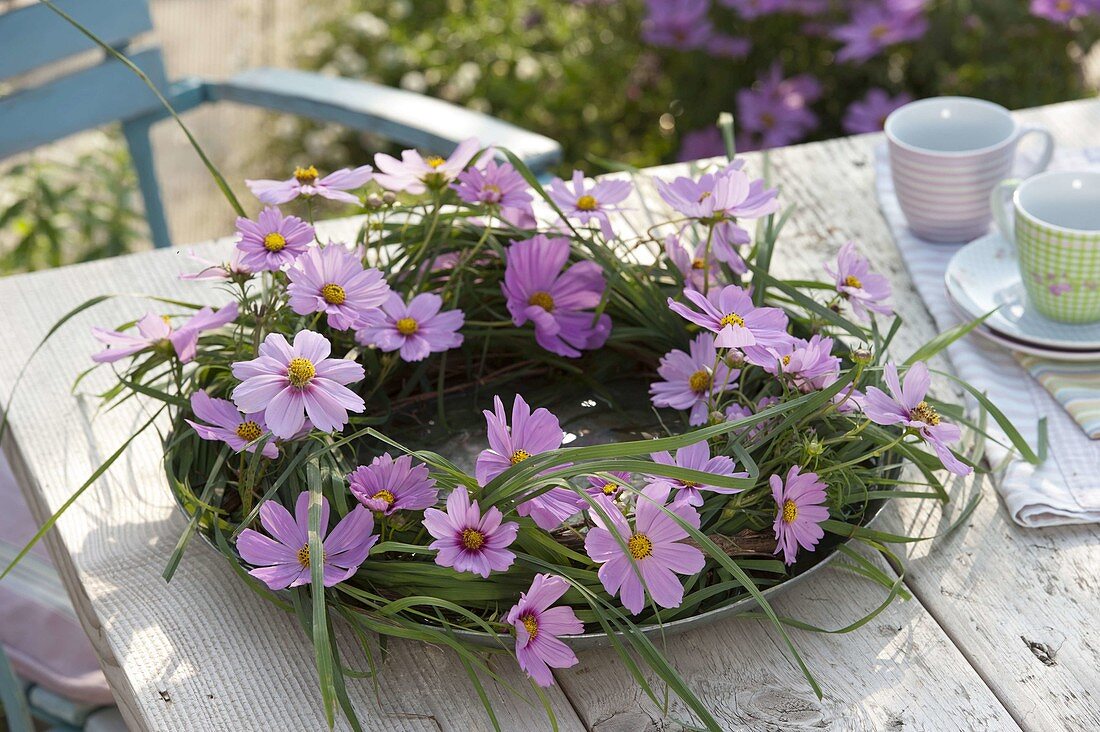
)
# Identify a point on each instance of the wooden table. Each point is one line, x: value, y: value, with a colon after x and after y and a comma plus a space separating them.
x: 1001, y: 632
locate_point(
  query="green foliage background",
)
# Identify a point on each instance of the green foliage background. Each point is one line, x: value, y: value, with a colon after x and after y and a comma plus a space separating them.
x: 581, y: 74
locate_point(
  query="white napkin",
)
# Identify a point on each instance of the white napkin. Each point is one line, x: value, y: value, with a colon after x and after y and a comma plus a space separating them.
x: 1065, y: 489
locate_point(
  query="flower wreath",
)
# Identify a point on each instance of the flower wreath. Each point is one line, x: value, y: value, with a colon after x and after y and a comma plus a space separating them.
x: 319, y: 415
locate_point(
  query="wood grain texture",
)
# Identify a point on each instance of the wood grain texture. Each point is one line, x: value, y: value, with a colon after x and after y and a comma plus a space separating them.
x: 1021, y: 603
x: 204, y: 653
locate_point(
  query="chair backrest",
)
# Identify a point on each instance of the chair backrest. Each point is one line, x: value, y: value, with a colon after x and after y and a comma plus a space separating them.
x: 35, y: 36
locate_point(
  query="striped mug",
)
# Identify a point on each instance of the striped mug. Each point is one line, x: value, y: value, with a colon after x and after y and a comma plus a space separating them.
x: 1055, y: 228
x: 946, y: 155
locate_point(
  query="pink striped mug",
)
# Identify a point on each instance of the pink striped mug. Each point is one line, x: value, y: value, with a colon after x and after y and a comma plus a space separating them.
x: 946, y: 155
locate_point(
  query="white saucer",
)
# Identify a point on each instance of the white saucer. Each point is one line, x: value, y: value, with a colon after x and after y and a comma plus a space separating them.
x: 1075, y: 355
x: 984, y: 276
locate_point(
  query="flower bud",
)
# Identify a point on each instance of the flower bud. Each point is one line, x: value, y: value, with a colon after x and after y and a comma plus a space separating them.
x: 389, y: 197
x: 374, y: 201
x: 862, y: 356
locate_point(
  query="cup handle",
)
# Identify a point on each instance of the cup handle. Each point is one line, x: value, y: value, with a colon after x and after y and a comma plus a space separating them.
x: 1000, y: 214
x: 1048, y: 146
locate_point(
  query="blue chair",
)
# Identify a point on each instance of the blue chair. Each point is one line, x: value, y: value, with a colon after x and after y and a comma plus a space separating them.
x: 35, y: 36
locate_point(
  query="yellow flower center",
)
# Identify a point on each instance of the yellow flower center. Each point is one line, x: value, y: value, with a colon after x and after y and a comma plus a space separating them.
x: 699, y: 381
x: 786, y: 360
x: 732, y: 319
x: 879, y: 31
x: 274, y: 242
x: 640, y: 546
x: 542, y: 300
x: 306, y: 176
x: 689, y: 484
x: 587, y: 203
x: 1064, y: 6
x: 790, y: 511
x: 303, y: 556
x: 768, y: 120
x: 249, y: 431
x: 697, y: 263
x: 926, y: 413
x: 407, y: 326
x: 434, y: 161
x: 300, y: 371
x: 610, y: 488
x: 472, y: 539
x: 852, y: 281
x: 384, y: 495
x: 519, y: 456
x: 705, y: 195
x: 333, y: 294
x: 530, y: 624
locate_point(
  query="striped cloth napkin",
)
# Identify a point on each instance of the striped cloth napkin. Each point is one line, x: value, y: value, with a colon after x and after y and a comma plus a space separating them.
x: 1076, y: 386
x: 1065, y: 489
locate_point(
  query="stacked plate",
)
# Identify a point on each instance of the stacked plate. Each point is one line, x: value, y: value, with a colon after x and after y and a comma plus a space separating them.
x: 983, y: 276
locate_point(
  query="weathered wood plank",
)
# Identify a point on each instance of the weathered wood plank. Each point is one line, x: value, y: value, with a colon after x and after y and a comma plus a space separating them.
x: 898, y: 672
x: 1021, y: 603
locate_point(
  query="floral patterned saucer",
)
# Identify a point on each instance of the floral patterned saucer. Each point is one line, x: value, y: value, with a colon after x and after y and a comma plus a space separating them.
x: 984, y: 276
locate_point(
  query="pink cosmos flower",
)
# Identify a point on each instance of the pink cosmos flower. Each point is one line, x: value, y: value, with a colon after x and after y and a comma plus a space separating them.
x: 599, y: 486
x: 800, y: 512
x: 705, y: 142
x: 556, y: 301
x: 695, y: 457
x: 694, y: 266
x: 720, y: 199
x: 869, y: 114
x: 538, y: 626
x: 751, y: 9
x: 776, y: 111
x: 730, y: 313
x: 736, y: 412
x: 226, y: 424
x: 231, y: 269
x: 493, y: 184
x: 273, y: 241
x: 531, y: 433
x: 157, y: 330
x: 305, y: 183
x: 415, y: 174
x: 415, y: 330
x: 680, y: 24
x: 875, y: 26
x: 809, y: 365
x: 653, y: 549
x: 857, y: 284
x: 908, y: 408
x: 1063, y: 11
x: 388, y: 485
x: 290, y: 383
x: 284, y: 561
x: 468, y: 541
x: 735, y: 47
x: 692, y: 379
x: 332, y: 280
x: 590, y: 200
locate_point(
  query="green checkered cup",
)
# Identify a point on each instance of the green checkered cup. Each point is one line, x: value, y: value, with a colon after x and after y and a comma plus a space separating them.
x: 1055, y: 227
